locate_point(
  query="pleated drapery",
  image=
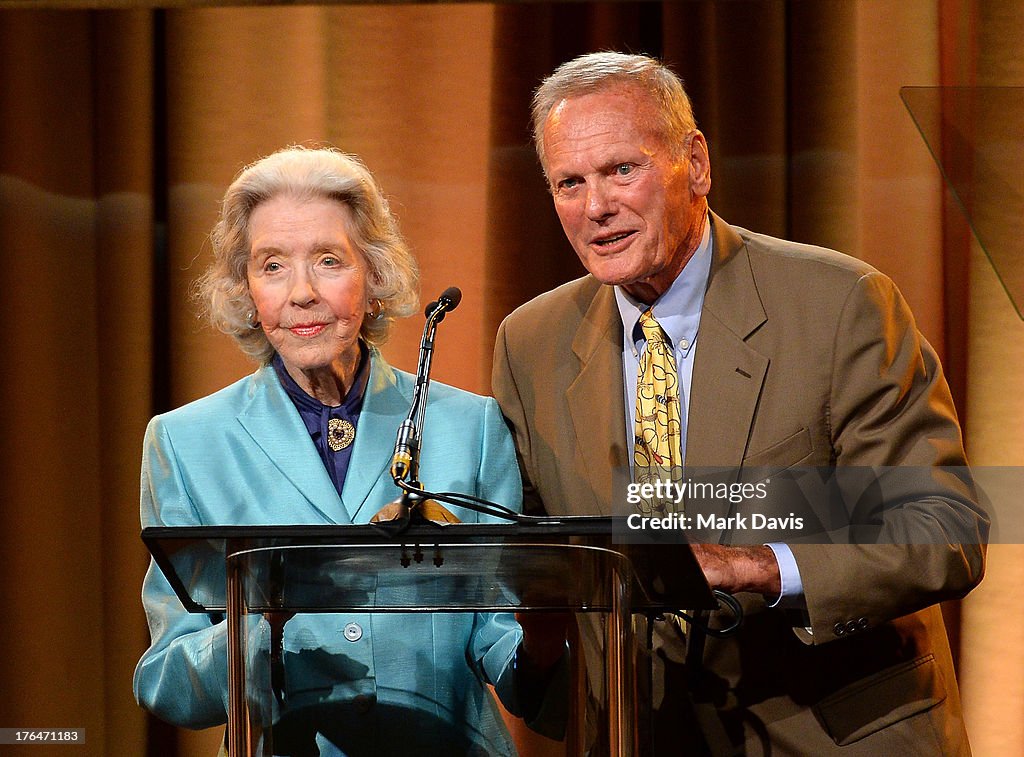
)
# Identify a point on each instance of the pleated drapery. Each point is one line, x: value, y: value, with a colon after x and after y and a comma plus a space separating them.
x: 121, y: 128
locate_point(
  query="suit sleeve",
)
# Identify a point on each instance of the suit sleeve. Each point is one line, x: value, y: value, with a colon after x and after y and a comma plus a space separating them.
x: 182, y: 677
x: 507, y: 392
x: 891, y: 411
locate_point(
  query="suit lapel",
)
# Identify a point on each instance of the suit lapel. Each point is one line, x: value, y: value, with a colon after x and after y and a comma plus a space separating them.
x: 385, y: 406
x: 274, y: 424
x: 728, y: 374
x: 595, y: 398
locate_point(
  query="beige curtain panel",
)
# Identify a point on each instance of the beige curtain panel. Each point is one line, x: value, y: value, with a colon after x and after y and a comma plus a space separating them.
x: 121, y: 128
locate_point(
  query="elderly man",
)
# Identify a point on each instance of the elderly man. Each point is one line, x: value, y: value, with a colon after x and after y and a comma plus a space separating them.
x: 776, y: 354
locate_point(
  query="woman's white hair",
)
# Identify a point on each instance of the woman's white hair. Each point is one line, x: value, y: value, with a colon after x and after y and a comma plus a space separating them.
x: 307, y: 173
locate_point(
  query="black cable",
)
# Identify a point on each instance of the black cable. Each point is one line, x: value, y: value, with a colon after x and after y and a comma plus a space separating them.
x: 476, y: 504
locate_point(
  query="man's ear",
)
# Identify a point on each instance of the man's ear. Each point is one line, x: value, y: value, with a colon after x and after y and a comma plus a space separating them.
x: 700, y: 165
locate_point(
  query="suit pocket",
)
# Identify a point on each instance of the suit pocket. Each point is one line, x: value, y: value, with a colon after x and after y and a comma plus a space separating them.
x: 882, y: 699
x: 785, y: 454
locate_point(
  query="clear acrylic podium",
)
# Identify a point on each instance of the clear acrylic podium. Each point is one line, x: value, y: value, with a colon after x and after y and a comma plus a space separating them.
x: 262, y: 576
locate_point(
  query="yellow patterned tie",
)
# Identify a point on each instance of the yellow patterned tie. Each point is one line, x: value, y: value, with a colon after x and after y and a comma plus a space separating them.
x: 657, y: 450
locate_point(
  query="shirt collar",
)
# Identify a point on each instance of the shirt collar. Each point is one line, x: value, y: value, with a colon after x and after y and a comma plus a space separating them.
x: 678, y: 309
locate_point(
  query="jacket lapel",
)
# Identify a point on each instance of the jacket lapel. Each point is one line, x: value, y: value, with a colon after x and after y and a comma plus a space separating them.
x: 274, y: 424
x: 385, y: 406
x: 595, y: 398
x: 728, y: 374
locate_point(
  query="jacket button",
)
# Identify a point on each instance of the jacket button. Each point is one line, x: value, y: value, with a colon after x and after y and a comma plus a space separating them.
x: 353, y: 632
x: 839, y: 629
x: 862, y: 624
x: 851, y: 626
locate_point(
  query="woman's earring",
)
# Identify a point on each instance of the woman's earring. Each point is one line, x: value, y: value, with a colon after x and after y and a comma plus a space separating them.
x: 376, y: 311
x: 250, y: 320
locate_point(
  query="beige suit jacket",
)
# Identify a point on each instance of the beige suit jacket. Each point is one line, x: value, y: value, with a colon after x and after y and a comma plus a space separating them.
x: 804, y: 357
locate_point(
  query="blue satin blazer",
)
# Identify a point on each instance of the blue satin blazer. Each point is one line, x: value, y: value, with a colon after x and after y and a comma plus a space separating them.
x: 242, y: 456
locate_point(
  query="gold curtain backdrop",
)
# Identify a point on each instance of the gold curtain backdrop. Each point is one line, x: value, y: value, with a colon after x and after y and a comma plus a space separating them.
x: 121, y: 129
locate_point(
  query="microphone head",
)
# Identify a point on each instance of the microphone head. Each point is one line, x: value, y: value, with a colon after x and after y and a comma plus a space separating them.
x: 451, y: 297
x: 448, y: 301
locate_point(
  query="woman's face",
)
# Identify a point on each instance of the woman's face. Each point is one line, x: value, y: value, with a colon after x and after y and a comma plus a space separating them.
x: 308, y: 282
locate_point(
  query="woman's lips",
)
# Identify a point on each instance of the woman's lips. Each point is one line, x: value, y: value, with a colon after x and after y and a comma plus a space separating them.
x: 307, y: 329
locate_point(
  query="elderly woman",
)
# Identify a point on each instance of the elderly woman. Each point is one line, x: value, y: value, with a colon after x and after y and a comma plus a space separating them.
x: 309, y: 273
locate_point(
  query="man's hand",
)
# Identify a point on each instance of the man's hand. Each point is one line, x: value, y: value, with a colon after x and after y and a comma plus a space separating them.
x: 736, y: 569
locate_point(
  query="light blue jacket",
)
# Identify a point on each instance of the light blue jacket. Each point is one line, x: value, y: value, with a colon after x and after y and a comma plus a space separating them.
x: 242, y: 456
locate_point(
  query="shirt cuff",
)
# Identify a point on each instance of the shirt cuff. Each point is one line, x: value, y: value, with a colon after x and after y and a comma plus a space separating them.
x: 792, y: 594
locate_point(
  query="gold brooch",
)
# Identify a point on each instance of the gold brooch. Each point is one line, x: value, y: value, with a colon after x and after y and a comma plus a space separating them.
x: 340, y: 434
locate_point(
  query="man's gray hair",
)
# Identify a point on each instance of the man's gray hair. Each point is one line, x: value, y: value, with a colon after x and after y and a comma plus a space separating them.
x: 305, y: 174
x: 596, y: 72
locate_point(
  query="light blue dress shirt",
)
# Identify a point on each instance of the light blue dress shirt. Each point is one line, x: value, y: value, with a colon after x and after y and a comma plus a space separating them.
x: 678, y: 313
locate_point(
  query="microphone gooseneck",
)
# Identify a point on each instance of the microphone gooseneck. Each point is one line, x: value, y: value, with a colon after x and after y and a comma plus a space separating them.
x: 405, y: 462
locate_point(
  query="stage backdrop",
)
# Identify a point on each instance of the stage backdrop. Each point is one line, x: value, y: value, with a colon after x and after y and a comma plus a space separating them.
x: 120, y: 130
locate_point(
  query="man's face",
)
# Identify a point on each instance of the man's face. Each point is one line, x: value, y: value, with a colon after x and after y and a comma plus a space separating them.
x: 632, y: 208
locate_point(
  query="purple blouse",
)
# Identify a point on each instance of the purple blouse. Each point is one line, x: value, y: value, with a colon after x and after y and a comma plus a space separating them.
x: 332, y: 429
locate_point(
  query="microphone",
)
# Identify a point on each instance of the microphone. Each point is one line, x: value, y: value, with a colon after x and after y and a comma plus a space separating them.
x: 401, y: 461
x: 416, y: 503
x: 405, y: 460
x: 447, y: 302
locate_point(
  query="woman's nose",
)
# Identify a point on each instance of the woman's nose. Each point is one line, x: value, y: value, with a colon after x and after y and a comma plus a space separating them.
x: 303, y: 290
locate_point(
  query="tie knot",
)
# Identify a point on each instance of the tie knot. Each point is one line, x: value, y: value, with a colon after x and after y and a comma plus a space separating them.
x: 651, y: 328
